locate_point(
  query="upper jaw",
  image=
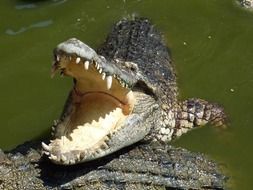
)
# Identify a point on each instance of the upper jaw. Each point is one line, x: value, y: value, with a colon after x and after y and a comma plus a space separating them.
x: 74, y: 48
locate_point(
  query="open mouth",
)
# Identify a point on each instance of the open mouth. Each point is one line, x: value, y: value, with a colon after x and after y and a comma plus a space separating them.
x: 97, y: 106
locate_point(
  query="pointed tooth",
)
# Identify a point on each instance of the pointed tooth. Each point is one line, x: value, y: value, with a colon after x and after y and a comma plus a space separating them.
x: 53, y: 128
x: 82, y: 154
x: 58, y: 58
x: 63, y: 158
x: 104, y: 146
x: 78, y: 156
x: 100, y: 119
x: 103, y: 76
x: 53, y: 157
x: 46, y: 153
x: 78, y: 59
x: 97, y: 66
x: 45, y: 146
x: 71, y: 161
x: 86, y: 65
x: 100, y: 70
x: 98, y: 151
x: 55, y: 122
x: 108, y: 137
x: 109, y: 82
x: 93, y: 123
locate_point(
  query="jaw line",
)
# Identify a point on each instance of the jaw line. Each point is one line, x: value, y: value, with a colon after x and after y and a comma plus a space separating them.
x: 89, y: 140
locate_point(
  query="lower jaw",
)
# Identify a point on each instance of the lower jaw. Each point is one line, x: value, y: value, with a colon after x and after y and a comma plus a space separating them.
x: 94, y: 116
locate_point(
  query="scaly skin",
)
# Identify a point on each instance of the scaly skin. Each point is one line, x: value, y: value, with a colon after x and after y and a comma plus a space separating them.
x: 141, y: 91
x: 135, y: 53
x: 143, y: 166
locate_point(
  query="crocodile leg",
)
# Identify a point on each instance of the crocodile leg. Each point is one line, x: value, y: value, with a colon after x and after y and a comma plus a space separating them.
x: 195, y: 112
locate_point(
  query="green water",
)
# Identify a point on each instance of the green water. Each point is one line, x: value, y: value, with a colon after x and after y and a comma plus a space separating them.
x: 211, y: 42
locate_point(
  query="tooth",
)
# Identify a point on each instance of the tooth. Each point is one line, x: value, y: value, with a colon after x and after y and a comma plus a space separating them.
x: 86, y: 65
x: 93, y: 123
x: 46, y: 153
x: 103, y: 76
x: 109, y: 82
x: 72, y: 161
x: 53, y: 157
x: 58, y: 58
x: 104, y: 146
x: 78, y: 156
x: 107, y: 138
x: 45, y: 146
x: 98, y: 151
x: 53, y: 128
x: 100, y: 70
x: 78, y: 59
x: 97, y: 66
x: 63, y: 158
x: 55, y: 122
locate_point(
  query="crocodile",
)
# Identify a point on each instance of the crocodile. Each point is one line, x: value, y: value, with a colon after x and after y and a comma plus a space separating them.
x: 123, y: 92
x: 139, y: 92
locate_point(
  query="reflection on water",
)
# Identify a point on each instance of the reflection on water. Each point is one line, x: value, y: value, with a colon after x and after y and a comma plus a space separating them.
x: 23, y: 29
x: 35, y: 4
x: 26, y: 6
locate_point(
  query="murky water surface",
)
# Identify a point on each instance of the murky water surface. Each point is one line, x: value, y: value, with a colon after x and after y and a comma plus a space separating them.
x: 211, y: 43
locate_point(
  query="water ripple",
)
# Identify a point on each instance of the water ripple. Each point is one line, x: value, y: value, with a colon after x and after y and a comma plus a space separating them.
x: 40, y: 24
x: 26, y: 6
x: 35, y: 5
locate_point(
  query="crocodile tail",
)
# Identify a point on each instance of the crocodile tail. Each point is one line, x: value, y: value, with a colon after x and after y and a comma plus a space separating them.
x: 195, y: 112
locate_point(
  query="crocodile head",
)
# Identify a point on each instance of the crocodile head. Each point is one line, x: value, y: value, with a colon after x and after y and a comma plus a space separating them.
x: 107, y: 109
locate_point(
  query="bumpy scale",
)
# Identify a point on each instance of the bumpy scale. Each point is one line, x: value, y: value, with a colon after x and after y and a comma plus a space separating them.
x: 124, y: 92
